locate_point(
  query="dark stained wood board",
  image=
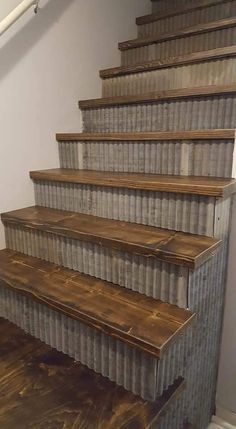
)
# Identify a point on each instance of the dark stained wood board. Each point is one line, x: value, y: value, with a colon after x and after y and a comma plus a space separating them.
x: 174, y: 247
x: 193, y: 58
x: 142, y: 322
x: 214, y: 134
x: 200, y: 28
x: 152, y: 97
x: 209, y: 186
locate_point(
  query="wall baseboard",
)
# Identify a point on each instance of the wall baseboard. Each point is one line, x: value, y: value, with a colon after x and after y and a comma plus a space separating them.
x: 222, y: 416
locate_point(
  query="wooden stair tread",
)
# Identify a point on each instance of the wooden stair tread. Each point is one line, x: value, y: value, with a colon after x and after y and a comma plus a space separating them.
x: 46, y: 388
x: 184, y: 32
x: 149, y: 136
x: 152, y: 97
x: 142, y: 322
x: 170, y: 246
x: 209, y: 186
x: 195, y: 57
x: 199, y: 4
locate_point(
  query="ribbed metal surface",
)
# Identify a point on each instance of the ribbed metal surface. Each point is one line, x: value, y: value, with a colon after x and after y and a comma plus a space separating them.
x: 135, y: 370
x: 190, y: 158
x: 185, y: 114
x: 188, y: 19
x: 149, y: 276
x: 180, y: 46
x: 217, y: 72
x: 163, y: 5
x: 172, y: 419
x: 206, y: 298
x: 181, y: 212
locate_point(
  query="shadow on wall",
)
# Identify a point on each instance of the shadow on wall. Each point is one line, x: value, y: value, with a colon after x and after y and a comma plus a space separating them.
x: 24, y: 40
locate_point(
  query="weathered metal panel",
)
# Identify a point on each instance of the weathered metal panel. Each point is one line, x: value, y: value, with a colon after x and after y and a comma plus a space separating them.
x: 190, y: 158
x: 181, y: 212
x: 185, y: 114
x: 149, y: 276
x: 180, y: 46
x: 187, y: 18
x: 211, y: 72
x: 135, y: 370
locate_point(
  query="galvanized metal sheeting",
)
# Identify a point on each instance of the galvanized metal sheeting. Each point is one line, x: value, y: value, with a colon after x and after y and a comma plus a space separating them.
x: 186, y: 19
x: 212, y: 72
x: 190, y: 158
x: 203, y: 112
x: 175, y: 47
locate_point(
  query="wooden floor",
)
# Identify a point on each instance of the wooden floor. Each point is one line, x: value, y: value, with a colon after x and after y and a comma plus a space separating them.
x: 43, y: 389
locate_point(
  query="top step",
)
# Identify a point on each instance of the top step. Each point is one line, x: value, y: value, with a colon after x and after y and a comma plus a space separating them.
x: 175, y: 11
x: 142, y: 322
x: 185, y: 32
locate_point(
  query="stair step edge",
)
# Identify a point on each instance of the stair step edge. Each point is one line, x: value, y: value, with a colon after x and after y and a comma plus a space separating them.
x: 185, y: 32
x: 207, y: 186
x: 147, y: 324
x: 174, y: 247
x: 193, y: 58
x: 201, y: 4
x: 228, y: 134
x: 77, y: 382
x: 156, y: 96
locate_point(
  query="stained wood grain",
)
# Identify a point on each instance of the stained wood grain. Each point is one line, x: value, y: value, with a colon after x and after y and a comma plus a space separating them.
x: 193, y: 58
x: 208, y: 186
x: 41, y: 388
x: 199, y: 4
x: 142, y: 322
x: 184, y: 32
x: 152, y: 97
x: 170, y: 246
x: 216, y: 134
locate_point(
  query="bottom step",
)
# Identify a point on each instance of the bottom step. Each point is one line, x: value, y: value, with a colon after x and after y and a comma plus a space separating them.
x: 41, y: 388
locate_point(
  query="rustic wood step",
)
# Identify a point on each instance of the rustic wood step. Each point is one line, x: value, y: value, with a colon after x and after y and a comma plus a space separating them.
x: 173, y: 94
x: 199, y: 4
x: 57, y: 390
x: 193, y: 58
x: 142, y: 322
x: 170, y: 246
x: 228, y: 134
x: 209, y: 186
x: 185, y: 32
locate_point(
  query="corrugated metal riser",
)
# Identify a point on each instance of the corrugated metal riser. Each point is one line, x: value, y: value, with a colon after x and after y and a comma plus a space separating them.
x: 180, y: 46
x: 149, y: 276
x: 186, y: 114
x: 163, y: 5
x: 187, y: 19
x: 188, y: 213
x: 190, y: 158
x: 128, y: 367
x: 217, y: 72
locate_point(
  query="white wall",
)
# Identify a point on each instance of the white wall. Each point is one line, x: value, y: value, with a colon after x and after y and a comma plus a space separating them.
x: 47, y: 63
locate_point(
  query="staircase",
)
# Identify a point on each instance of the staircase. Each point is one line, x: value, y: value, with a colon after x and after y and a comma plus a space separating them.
x: 122, y: 262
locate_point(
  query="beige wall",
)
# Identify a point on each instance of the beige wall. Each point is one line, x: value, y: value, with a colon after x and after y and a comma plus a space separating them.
x: 47, y: 63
